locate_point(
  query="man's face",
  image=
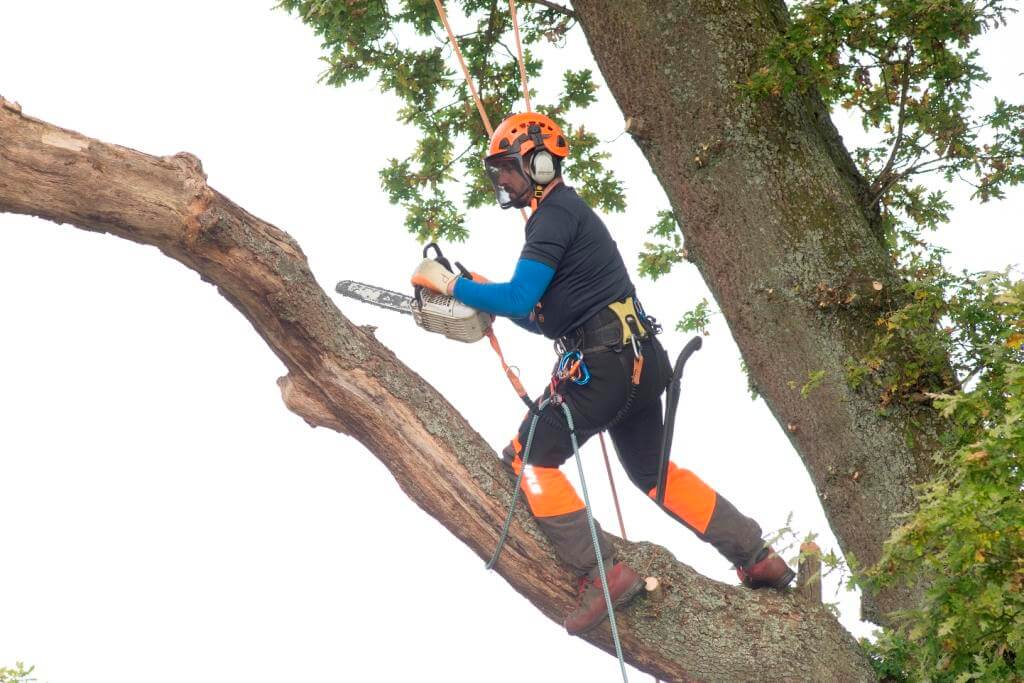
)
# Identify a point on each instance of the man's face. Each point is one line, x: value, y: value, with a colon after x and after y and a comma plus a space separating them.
x: 511, y: 186
x: 513, y: 181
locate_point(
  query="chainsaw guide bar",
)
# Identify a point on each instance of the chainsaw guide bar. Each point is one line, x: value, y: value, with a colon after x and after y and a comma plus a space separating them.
x: 433, y: 312
x: 368, y: 294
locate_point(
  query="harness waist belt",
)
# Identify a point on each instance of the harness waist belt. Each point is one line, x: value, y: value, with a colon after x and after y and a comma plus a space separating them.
x: 611, y: 327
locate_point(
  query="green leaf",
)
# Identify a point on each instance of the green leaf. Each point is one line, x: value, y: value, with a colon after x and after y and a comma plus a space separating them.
x: 695, y: 320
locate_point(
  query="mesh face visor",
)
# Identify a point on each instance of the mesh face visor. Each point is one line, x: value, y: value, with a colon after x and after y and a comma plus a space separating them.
x: 512, y: 187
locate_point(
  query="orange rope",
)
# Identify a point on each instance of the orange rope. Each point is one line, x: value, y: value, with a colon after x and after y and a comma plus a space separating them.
x: 611, y: 480
x: 465, y: 71
x: 519, y: 50
x: 512, y: 376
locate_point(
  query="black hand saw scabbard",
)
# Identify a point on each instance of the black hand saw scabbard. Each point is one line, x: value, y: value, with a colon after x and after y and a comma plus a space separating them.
x: 671, y: 404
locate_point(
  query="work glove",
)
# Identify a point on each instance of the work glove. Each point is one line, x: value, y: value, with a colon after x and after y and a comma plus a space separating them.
x: 435, y: 277
x: 476, y: 277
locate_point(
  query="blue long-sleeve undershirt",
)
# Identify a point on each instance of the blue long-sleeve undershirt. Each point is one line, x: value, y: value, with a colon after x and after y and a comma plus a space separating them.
x: 514, y: 299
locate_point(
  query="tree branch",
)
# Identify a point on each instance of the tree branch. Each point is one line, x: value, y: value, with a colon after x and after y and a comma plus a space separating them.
x: 883, y: 181
x: 561, y: 9
x: 340, y: 377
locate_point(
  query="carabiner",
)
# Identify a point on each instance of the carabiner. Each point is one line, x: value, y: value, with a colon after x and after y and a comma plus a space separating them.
x: 573, y: 368
x: 634, y: 333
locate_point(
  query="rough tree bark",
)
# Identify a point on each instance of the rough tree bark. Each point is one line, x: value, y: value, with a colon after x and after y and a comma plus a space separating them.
x: 340, y: 377
x: 771, y: 207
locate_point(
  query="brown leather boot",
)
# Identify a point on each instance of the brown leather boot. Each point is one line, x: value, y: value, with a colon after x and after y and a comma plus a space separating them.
x: 623, y: 584
x: 768, y: 570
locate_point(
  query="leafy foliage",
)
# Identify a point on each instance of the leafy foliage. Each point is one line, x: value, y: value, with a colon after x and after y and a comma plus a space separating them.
x: 404, y: 46
x: 907, y: 68
x: 17, y: 674
x: 967, y: 537
x: 696, y: 320
x: 657, y: 258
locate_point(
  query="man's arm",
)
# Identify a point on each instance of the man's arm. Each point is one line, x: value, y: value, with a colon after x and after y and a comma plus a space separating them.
x: 513, y: 299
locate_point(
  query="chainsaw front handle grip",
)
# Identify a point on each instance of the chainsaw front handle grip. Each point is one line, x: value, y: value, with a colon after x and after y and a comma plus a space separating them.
x: 439, y: 257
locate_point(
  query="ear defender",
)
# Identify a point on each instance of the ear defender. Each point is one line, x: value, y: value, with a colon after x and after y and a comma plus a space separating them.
x: 542, y: 167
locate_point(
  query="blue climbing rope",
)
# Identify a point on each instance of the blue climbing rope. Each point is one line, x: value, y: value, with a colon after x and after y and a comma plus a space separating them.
x: 590, y: 520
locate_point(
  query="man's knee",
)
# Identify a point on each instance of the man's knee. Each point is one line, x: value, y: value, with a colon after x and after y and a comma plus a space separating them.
x: 645, y: 481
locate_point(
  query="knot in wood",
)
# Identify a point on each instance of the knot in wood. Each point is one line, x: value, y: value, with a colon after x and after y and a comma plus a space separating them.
x: 190, y: 163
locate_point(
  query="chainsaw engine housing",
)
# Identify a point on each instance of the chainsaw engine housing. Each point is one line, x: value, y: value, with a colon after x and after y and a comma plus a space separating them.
x: 444, y: 315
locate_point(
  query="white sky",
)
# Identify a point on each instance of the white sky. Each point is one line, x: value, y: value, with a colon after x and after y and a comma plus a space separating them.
x: 163, y: 517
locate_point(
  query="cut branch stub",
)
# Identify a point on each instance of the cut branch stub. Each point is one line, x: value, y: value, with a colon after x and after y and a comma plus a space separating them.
x: 808, y: 577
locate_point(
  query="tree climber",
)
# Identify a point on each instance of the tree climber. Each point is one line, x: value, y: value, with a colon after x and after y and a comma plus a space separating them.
x: 571, y: 285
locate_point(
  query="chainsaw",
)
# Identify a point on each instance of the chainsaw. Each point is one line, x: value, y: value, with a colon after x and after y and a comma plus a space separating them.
x: 432, y: 311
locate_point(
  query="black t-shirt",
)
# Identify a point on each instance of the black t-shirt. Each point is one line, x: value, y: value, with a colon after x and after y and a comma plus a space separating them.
x: 567, y: 235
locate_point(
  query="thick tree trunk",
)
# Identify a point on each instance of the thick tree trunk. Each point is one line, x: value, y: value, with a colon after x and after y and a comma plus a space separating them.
x: 340, y: 377
x: 771, y: 207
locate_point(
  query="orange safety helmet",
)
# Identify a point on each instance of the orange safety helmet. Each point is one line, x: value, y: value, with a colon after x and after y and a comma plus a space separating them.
x: 521, y: 156
x: 516, y: 134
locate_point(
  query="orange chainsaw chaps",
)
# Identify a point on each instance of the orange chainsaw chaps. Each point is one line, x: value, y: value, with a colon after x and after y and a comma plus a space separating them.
x: 687, y: 497
x: 548, y: 491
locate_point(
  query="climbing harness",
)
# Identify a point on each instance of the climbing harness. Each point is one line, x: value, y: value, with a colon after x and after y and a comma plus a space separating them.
x: 572, y: 367
x: 637, y: 327
x: 556, y: 400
